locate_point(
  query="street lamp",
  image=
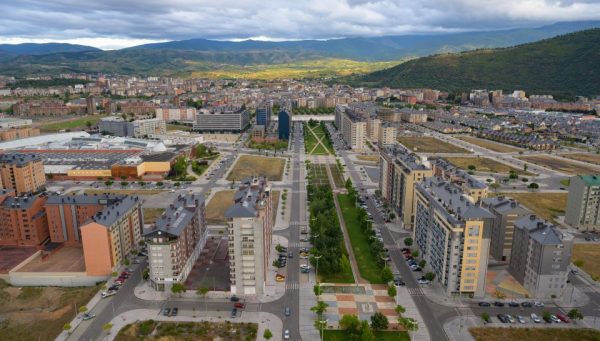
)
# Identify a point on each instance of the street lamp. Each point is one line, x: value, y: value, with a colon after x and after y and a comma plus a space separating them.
x: 317, y: 269
x: 322, y: 323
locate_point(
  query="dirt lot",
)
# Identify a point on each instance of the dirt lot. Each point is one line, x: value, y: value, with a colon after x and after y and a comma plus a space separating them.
x: 38, y: 313
x: 483, y: 164
x: 585, y: 157
x: 545, y: 205
x: 590, y: 255
x: 65, y: 259
x: 248, y: 165
x: 369, y: 158
x: 12, y: 256
x: 222, y: 200
x: 534, y: 334
x: 491, y: 145
x: 428, y: 144
x: 560, y: 165
x: 151, y: 214
x: 179, y: 331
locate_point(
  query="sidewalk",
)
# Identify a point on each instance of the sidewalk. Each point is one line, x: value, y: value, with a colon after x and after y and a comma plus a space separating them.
x: 77, y: 320
x: 347, y: 243
x: 264, y: 320
x: 404, y: 299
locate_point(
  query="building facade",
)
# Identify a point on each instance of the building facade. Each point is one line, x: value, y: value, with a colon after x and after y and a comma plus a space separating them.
x: 284, y: 125
x: 540, y: 257
x: 22, y: 172
x: 250, y: 227
x: 117, y: 126
x: 453, y: 235
x: 583, y: 203
x: 175, y: 241
x: 22, y: 220
x: 387, y: 135
x: 263, y: 114
x: 506, y: 211
x: 352, y: 126
x: 227, y: 120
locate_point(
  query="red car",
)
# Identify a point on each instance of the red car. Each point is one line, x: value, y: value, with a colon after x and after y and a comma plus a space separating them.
x: 562, y: 318
x: 239, y: 305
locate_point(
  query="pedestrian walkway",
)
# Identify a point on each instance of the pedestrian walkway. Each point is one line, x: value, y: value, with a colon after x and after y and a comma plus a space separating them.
x: 404, y: 298
x: 353, y: 264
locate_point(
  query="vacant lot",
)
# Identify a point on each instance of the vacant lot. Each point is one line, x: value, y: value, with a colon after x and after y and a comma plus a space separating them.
x: 546, y: 205
x: 534, y: 334
x: 368, y: 158
x: 590, y: 255
x: 151, y: 214
x: 222, y: 200
x: 176, y: 331
x: 125, y: 191
x: 251, y: 165
x: 560, y: 165
x: 340, y: 335
x: 39, y: 313
x: 483, y: 164
x: 491, y: 145
x: 75, y: 123
x: 585, y: 157
x: 428, y: 144
x: 181, y: 127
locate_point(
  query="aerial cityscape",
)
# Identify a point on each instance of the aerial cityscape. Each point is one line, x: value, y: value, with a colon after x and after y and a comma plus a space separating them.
x: 279, y: 170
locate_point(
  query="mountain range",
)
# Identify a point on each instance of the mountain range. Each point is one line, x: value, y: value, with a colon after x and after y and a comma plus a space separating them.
x: 200, y: 57
x: 566, y: 66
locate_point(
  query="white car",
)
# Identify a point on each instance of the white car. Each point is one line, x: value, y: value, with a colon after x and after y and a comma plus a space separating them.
x: 286, y: 334
x: 538, y: 304
x: 305, y: 266
x: 535, y: 318
x: 109, y: 293
x: 521, y: 319
x: 422, y: 281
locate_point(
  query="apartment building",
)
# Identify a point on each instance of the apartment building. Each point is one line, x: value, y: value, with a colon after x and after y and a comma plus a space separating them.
x: 117, y: 126
x: 475, y: 189
x: 222, y: 120
x: 387, y: 135
x: 22, y: 172
x: 250, y: 226
x: 112, y: 234
x: 413, y: 116
x: 284, y: 125
x: 400, y: 170
x: 453, y: 235
x: 506, y: 211
x: 170, y: 114
x: 263, y: 114
x: 373, y: 127
x: 22, y: 220
x: 18, y: 133
x: 352, y: 126
x: 540, y: 257
x: 67, y: 213
x: 175, y: 241
x: 583, y: 203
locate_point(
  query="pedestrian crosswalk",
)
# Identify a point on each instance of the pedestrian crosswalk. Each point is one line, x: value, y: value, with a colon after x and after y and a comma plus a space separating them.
x: 415, y: 292
x: 292, y: 286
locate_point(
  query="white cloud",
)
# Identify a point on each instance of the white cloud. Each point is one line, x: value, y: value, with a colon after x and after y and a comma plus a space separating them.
x: 119, y: 23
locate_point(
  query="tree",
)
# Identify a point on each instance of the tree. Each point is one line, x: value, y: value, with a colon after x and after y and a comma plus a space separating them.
x: 415, y: 253
x: 386, y: 274
x: 429, y: 276
x: 409, y: 324
x: 67, y: 327
x: 124, y: 183
x: 350, y: 323
x: 525, y: 166
x: 495, y: 186
x: 146, y: 275
x: 177, y: 288
x: 408, y: 241
x: 471, y: 167
x: 422, y: 263
x: 202, y: 291
x: 366, y: 333
x: 319, y: 309
x: 400, y: 310
x: 575, y: 315
x: 268, y: 334
x: 486, y: 317
x: 533, y: 185
x: 108, y: 183
x: 317, y: 290
x: 392, y: 290
x: 379, y: 321
x: 546, y: 316
x: 83, y: 309
x: 107, y: 327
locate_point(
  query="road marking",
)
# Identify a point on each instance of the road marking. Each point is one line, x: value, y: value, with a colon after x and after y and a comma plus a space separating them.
x: 415, y: 292
x: 292, y: 286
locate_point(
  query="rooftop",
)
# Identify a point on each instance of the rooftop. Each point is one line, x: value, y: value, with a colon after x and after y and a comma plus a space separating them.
x: 590, y: 180
x: 178, y: 215
x: 502, y: 204
x: 115, y: 210
x: 541, y: 231
x: 19, y: 159
x: 248, y: 198
x: 23, y: 202
x: 84, y: 199
x: 407, y: 158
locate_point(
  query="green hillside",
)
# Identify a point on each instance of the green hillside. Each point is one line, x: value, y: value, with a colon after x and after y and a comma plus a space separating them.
x: 566, y: 65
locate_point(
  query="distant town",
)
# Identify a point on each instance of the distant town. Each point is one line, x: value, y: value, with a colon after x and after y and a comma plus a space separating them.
x: 294, y: 209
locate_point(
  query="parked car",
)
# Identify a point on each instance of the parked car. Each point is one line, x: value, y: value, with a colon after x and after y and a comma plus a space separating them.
x: 286, y: 334
x: 417, y: 269
x: 521, y: 319
x: 287, y: 311
x: 563, y: 318
x: 174, y: 311
x: 503, y: 318
x: 498, y: 304
x: 422, y: 281
x: 510, y: 318
x: 538, y: 304
x: 114, y: 287
x: 166, y: 311
x: 88, y: 316
x: 513, y: 304
x: 239, y: 305
x: 484, y: 304
x: 234, y: 298
x: 233, y: 313
x: 109, y: 293
x: 555, y: 319
x: 526, y: 304
x: 535, y: 318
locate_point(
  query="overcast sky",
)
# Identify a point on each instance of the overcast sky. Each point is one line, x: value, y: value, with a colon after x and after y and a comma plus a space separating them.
x: 110, y: 24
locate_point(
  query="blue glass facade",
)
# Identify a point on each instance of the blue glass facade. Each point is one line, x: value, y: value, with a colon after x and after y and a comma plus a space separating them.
x: 284, y: 125
x: 263, y: 115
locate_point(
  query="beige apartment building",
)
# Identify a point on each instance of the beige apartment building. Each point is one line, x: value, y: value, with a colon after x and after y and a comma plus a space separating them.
x: 453, y: 235
x: 400, y: 170
x: 373, y: 126
x: 387, y: 135
x: 352, y: 126
x: 23, y: 173
x: 250, y: 228
x: 475, y: 189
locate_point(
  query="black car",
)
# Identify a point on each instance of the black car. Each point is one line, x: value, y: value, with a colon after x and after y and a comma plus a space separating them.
x: 233, y: 313
x: 114, y: 287
x: 234, y: 299
x: 513, y: 304
x: 174, y: 311
x: 417, y: 269
x: 498, y: 304
x: 399, y: 282
x: 484, y: 304
x: 526, y: 304
x: 503, y: 318
x: 166, y: 311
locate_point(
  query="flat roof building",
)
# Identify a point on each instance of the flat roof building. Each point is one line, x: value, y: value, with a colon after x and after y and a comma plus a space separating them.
x: 221, y: 120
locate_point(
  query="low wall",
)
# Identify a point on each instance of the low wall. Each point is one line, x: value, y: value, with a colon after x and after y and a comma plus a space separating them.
x: 55, y: 279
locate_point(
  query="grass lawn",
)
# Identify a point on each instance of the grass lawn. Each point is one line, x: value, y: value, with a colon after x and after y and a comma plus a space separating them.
x: 367, y: 263
x: 125, y: 191
x: 317, y: 174
x: 585, y: 157
x: 311, y: 141
x: 483, y: 164
x: 545, y: 205
x: 590, y: 255
x: 151, y: 214
x: 337, y: 176
x: 491, y: 145
x: 248, y: 165
x: 176, y: 331
x: 182, y: 127
x: 368, y: 158
x: 428, y: 144
x: 565, y: 182
x: 340, y: 335
x: 319, y: 150
x: 39, y: 313
x: 560, y: 165
x: 546, y: 334
x: 77, y: 123
x: 216, y: 207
